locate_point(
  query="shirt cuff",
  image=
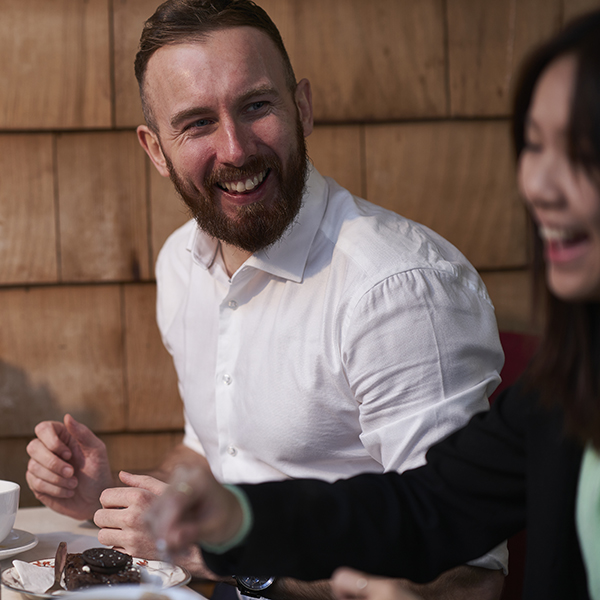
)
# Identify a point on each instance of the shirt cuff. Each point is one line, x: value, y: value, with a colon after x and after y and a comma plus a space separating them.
x: 247, y: 521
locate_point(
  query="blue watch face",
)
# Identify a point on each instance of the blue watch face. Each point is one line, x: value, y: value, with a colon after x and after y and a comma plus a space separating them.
x: 255, y: 583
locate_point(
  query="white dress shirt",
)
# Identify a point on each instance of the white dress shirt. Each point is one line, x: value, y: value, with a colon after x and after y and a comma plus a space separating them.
x: 351, y: 345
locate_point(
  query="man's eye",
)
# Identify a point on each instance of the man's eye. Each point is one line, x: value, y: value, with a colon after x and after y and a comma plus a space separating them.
x: 257, y: 105
x: 199, y: 124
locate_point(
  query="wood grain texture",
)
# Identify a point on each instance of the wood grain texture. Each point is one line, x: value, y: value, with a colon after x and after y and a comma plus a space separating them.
x: 13, y: 465
x: 139, y: 452
x: 486, y: 44
x: 103, y: 207
x: 511, y: 295
x: 366, y: 59
x: 27, y: 213
x: 61, y: 351
x: 153, y: 399
x: 336, y: 152
x: 128, y: 21
x: 455, y: 177
x: 55, y: 64
x: 167, y: 210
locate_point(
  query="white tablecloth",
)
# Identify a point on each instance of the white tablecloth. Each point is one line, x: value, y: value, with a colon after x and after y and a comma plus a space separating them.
x: 51, y: 529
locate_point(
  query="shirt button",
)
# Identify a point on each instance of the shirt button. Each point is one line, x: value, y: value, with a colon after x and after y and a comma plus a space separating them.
x: 227, y: 379
x: 233, y: 304
x: 231, y: 451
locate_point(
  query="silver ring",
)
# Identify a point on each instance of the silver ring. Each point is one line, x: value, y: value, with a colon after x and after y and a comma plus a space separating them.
x: 183, y: 487
x: 361, y: 583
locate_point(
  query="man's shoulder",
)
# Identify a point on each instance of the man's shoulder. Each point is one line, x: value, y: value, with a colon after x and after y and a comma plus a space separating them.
x: 380, y: 240
x: 177, y: 244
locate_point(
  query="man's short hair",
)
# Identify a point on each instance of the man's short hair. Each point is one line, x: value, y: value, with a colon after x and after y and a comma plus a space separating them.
x: 181, y: 21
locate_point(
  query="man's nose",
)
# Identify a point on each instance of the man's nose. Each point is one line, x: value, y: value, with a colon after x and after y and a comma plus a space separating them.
x: 234, y: 143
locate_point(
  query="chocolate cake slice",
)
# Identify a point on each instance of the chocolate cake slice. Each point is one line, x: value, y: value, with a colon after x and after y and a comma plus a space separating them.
x: 99, y: 566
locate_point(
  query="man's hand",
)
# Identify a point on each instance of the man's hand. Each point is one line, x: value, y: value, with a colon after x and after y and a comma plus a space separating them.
x: 195, y: 508
x: 461, y: 583
x: 68, y: 467
x: 122, y: 520
x: 348, y: 584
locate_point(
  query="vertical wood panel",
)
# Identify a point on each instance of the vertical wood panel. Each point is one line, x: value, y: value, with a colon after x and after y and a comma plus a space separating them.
x: 61, y: 351
x: 335, y: 151
x: 487, y: 42
x: 103, y: 210
x: 458, y: 179
x: 13, y: 465
x: 55, y: 64
x: 27, y: 215
x: 154, y: 401
x: 168, y: 211
x: 139, y: 452
x: 366, y: 60
x: 128, y: 22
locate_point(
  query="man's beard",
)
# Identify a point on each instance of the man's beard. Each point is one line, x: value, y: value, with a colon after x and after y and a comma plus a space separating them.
x: 258, y: 225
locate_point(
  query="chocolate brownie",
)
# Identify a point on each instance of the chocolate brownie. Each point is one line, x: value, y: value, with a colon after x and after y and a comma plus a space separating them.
x: 99, y: 566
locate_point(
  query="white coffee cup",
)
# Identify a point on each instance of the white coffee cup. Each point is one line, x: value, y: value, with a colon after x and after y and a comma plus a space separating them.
x: 9, y: 504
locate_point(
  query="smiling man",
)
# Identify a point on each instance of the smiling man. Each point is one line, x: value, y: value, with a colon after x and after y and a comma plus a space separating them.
x: 314, y: 334
x: 228, y: 126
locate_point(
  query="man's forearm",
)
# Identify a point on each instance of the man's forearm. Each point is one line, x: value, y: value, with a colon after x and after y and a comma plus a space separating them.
x: 462, y: 583
x: 285, y: 588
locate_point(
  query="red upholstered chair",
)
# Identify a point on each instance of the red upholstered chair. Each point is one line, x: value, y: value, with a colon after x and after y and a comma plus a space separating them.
x: 518, y: 350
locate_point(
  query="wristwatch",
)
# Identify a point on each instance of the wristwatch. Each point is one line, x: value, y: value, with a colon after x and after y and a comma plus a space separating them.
x: 253, y: 586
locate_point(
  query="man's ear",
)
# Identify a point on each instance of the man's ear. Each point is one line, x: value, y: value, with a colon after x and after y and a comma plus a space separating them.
x: 303, y: 98
x: 149, y: 142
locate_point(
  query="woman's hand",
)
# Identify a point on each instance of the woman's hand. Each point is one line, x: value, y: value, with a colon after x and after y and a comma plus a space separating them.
x: 348, y: 584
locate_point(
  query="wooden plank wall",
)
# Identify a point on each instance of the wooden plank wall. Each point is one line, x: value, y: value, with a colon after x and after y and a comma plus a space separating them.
x: 411, y: 101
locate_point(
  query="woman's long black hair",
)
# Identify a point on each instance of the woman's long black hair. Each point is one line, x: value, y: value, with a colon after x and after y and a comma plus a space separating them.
x: 566, y: 368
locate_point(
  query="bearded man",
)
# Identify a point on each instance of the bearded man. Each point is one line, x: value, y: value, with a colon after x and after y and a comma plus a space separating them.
x: 314, y: 334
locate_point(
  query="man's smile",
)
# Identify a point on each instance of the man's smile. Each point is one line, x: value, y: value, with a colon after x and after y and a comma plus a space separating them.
x: 244, y: 185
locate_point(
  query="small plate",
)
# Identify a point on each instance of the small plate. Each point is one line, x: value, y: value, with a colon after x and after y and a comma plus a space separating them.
x: 17, y: 541
x: 170, y: 576
x: 135, y: 592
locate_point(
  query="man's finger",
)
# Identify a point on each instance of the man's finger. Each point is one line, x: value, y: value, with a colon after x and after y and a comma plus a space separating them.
x: 83, y: 434
x: 41, y: 472
x: 144, y: 482
x: 54, y: 437
x: 44, y: 456
x: 43, y: 488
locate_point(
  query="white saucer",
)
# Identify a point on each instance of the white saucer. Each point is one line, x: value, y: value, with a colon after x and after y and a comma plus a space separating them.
x: 17, y: 541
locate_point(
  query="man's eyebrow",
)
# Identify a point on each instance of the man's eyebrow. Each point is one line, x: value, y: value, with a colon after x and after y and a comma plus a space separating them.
x: 178, y: 118
x: 258, y: 91
x: 188, y: 113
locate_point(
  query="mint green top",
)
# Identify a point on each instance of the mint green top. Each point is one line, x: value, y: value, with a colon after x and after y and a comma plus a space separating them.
x: 588, y: 518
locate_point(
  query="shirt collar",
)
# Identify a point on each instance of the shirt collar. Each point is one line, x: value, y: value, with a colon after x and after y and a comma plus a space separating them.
x: 287, y: 257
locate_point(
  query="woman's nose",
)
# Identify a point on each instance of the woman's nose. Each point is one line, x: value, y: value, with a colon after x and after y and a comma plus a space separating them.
x: 541, y: 179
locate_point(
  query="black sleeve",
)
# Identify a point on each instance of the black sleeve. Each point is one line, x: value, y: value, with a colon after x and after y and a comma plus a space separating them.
x: 469, y: 497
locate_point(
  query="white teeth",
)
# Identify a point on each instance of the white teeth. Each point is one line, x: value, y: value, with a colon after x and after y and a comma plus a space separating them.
x: 556, y: 235
x: 244, y: 186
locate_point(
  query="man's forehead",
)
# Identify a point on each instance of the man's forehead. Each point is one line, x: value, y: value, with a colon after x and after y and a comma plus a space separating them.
x: 229, y: 46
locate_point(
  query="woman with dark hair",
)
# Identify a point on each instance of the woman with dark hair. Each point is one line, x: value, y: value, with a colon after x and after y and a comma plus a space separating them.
x: 533, y: 461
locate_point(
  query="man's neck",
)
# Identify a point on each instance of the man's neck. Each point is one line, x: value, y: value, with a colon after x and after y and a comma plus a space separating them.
x: 233, y: 257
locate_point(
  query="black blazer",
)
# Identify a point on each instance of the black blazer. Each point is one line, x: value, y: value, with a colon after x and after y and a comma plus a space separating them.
x: 509, y: 468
